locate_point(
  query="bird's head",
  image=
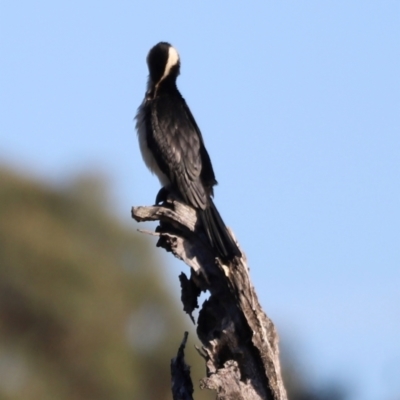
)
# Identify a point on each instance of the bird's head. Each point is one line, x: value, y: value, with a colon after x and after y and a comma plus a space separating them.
x: 163, y: 62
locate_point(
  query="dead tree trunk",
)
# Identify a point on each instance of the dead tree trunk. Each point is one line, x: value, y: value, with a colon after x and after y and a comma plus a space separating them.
x: 240, y: 343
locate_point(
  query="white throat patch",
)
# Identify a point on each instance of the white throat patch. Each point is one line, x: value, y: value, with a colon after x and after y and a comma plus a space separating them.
x: 173, y: 59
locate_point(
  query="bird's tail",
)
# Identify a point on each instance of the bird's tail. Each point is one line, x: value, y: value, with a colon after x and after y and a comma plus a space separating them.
x: 218, y: 234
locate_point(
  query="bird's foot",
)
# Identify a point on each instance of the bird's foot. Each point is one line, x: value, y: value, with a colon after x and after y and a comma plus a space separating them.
x: 162, y: 195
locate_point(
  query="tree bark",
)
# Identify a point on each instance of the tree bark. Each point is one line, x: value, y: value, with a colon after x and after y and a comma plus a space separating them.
x: 240, y: 343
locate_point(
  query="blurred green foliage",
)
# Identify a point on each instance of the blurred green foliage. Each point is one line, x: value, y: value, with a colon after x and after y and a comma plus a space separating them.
x: 84, y: 309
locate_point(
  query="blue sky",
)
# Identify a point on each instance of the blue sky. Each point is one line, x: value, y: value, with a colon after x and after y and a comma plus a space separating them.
x: 299, y: 105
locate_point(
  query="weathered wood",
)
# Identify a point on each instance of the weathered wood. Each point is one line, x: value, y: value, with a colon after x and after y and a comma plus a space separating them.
x: 240, y: 343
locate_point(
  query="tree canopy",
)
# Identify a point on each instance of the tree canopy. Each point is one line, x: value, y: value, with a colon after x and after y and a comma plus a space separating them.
x: 84, y: 309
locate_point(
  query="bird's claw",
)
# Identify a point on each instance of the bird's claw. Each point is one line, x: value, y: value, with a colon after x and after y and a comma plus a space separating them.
x: 162, y: 195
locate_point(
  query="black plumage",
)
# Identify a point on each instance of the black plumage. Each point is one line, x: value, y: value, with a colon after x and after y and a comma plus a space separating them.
x: 173, y: 148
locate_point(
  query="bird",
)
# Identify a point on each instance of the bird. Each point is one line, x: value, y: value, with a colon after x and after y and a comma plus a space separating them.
x: 172, y: 147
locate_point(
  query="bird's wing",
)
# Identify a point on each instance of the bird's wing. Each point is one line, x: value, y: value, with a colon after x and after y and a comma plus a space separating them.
x: 176, y: 144
x: 207, y: 171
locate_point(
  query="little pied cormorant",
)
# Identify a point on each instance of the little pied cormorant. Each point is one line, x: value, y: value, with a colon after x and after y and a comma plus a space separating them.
x: 172, y: 147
